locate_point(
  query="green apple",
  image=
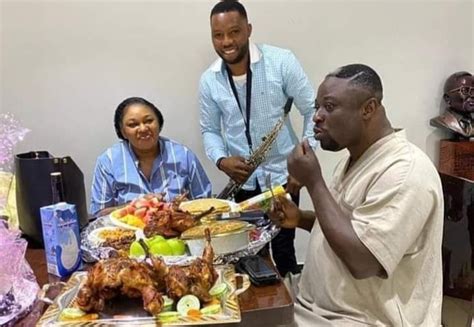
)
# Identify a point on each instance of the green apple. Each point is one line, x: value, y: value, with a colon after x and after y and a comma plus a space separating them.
x: 177, y: 246
x: 136, y: 250
x: 152, y: 240
x: 161, y: 248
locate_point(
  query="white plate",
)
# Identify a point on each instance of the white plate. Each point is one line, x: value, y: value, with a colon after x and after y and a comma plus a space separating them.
x: 94, y: 236
x: 234, y: 207
x: 119, y: 223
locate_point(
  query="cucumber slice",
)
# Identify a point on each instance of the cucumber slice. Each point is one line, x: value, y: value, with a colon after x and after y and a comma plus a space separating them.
x: 71, y: 313
x: 218, y: 289
x: 167, y: 304
x: 168, y: 316
x: 187, y: 303
x: 211, y: 309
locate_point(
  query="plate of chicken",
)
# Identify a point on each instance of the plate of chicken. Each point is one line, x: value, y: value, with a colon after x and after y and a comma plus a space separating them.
x: 124, y: 290
x: 156, y: 217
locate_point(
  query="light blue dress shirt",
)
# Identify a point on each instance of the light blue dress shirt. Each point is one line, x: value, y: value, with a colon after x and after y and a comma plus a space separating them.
x: 276, y: 75
x: 118, y: 179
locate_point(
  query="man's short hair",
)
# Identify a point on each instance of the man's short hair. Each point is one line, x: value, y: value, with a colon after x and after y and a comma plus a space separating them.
x: 228, y: 6
x: 361, y: 76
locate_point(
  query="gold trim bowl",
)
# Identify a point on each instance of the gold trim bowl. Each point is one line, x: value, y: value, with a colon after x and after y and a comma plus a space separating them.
x: 226, y: 237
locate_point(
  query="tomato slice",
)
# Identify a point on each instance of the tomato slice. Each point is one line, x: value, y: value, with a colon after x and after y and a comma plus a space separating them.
x: 130, y: 209
x: 142, y: 203
x: 121, y: 213
x: 140, y: 213
x: 194, y: 312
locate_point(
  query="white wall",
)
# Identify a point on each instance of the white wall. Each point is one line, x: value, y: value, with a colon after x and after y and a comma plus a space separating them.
x: 65, y: 65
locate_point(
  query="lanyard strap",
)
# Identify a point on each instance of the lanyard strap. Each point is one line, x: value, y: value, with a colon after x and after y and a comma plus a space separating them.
x: 248, y: 96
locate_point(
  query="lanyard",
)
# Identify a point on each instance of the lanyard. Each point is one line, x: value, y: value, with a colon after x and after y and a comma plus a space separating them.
x: 248, y: 95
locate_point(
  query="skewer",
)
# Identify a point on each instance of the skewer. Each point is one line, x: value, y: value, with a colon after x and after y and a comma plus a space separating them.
x: 204, y: 213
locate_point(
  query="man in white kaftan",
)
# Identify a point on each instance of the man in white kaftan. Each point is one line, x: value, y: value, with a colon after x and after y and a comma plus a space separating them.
x: 374, y: 255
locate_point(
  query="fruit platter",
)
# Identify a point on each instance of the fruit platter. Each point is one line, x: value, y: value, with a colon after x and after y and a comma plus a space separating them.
x: 177, y: 216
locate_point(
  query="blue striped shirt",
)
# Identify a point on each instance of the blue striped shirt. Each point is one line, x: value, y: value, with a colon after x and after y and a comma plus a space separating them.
x: 276, y: 75
x: 118, y: 179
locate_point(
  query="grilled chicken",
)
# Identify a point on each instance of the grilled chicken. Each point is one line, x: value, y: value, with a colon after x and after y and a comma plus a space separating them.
x: 168, y: 223
x: 123, y: 276
x: 196, y: 279
x: 159, y: 223
x: 112, y: 277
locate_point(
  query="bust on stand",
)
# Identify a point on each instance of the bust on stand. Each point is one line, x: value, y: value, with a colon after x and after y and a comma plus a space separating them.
x: 459, y: 115
x: 456, y: 168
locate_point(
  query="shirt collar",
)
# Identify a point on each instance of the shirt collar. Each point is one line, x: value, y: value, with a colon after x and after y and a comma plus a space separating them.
x: 134, y: 156
x: 349, y: 166
x: 255, y: 56
x: 397, y: 133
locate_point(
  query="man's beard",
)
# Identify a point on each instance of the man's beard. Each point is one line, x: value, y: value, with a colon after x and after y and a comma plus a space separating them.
x: 329, y: 144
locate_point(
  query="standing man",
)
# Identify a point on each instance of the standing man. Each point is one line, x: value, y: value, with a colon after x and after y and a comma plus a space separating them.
x: 374, y: 255
x: 242, y: 96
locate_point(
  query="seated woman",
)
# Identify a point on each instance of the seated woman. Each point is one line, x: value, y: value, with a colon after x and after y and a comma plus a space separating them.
x: 144, y: 162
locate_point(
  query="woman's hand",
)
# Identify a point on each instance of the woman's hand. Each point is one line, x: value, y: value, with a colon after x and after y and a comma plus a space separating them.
x: 236, y: 168
x: 284, y: 213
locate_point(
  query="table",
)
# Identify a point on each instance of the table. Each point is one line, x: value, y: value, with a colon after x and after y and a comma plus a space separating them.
x: 260, y: 306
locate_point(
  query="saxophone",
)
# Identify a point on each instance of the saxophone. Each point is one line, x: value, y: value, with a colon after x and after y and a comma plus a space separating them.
x: 259, y: 155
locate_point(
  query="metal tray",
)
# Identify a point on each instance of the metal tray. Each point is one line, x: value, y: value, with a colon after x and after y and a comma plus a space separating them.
x: 131, y: 313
